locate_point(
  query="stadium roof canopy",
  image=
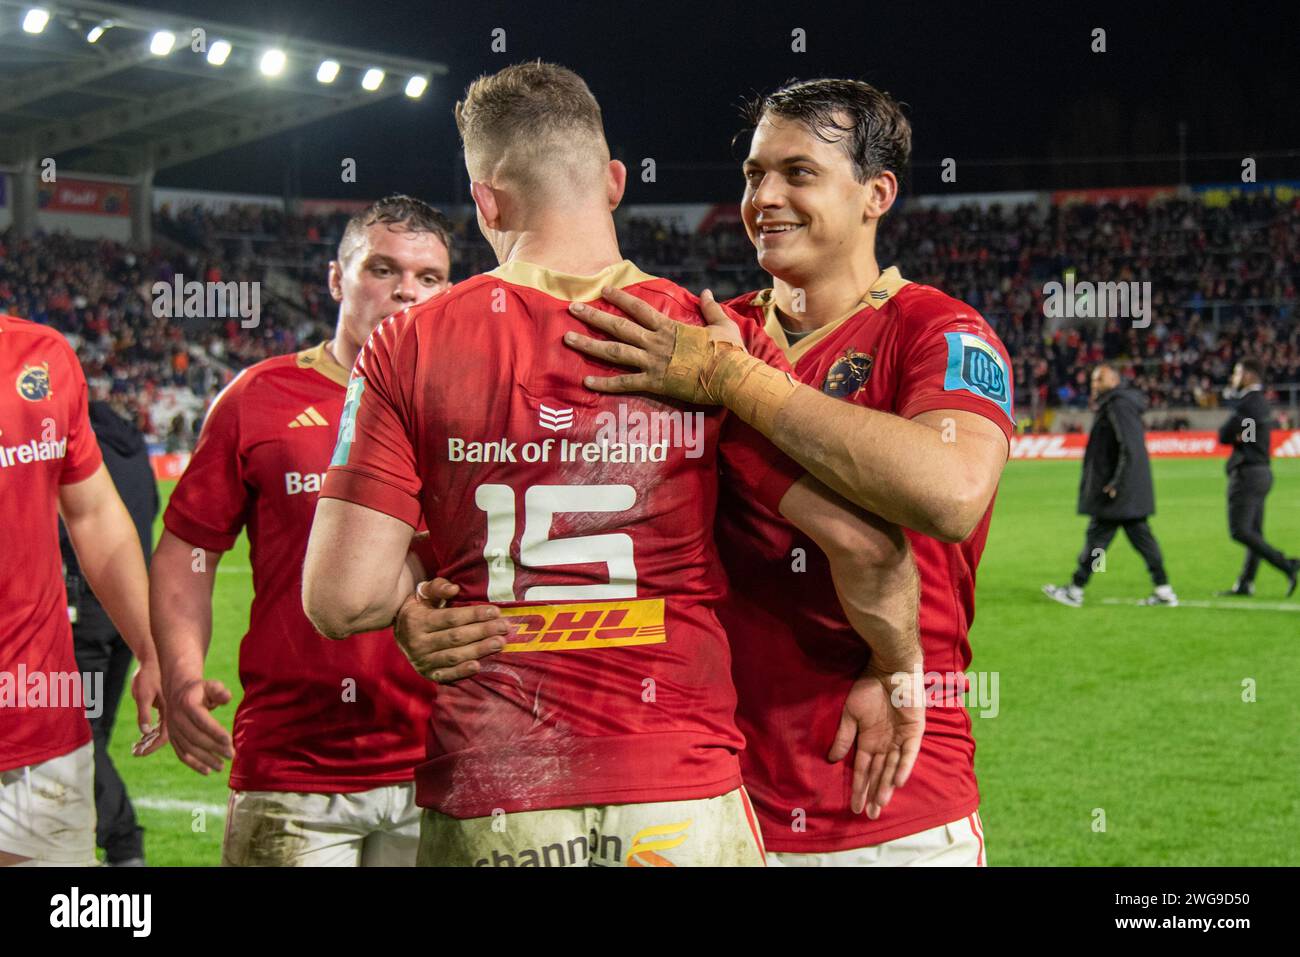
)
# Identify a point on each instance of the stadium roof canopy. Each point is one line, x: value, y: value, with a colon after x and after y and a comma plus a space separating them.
x: 110, y: 88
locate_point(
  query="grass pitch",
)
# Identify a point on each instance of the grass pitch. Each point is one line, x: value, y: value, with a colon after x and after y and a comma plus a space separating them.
x: 1121, y: 737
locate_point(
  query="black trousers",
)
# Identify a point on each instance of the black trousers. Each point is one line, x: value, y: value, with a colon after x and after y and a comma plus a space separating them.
x: 1248, y: 486
x: 1101, y: 533
x: 103, y: 650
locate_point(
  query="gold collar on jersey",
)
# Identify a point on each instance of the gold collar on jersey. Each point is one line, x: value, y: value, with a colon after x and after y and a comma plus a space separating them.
x: 566, y: 286
x: 881, y: 291
x: 323, y: 361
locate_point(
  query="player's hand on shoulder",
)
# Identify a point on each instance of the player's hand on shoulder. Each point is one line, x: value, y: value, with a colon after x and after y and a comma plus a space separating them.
x: 446, y: 644
x: 671, y: 355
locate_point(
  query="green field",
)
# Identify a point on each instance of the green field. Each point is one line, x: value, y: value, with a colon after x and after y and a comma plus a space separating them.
x: 1133, y: 713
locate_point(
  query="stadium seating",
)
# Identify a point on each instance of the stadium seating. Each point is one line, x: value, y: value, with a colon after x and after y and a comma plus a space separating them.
x: 1224, y: 282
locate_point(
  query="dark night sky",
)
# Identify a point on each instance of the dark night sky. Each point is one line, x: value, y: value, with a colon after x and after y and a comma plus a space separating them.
x: 984, y: 81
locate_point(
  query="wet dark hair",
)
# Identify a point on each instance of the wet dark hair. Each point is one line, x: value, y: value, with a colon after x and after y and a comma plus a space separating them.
x: 866, y: 122
x: 396, y: 210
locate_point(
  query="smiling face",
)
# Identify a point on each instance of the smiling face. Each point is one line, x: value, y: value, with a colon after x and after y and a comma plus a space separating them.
x: 389, y: 269
x: 803, y: 206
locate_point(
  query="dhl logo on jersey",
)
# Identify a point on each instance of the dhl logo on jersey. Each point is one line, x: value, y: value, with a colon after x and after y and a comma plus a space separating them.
x: 606, y: 624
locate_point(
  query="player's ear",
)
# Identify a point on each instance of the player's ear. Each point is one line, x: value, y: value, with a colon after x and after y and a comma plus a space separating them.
x: 615, y: 183
x: 486, y: 201
x: 882, y: 191
x: 336, y: 280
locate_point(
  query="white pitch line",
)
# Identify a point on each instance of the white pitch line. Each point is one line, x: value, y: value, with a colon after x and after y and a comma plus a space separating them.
x: 1240, y: 604
x: 233, y: 569
x: 174, y: 804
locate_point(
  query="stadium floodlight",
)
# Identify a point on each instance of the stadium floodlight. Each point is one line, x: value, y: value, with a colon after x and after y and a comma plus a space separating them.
x: 218, y: 52
x: 416, y: 86
x: 161, y: 43
x: 327, y: 71
x: 34, y: 20
x: 373, y: 79
x: 272, y: 62
x: 98, y: 30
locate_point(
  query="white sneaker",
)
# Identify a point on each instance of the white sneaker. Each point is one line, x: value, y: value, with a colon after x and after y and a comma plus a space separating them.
x: 1071, y: 595
x: 1163, y: 595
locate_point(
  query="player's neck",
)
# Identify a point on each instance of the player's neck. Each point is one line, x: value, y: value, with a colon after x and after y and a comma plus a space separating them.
x: 342, y: 349
x: 815, y: 301
x: 578, y: 246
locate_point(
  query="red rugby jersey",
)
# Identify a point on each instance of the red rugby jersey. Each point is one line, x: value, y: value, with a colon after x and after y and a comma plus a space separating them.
x: 45, y: 442
x: 317, y: 715
x: 906, y: 349
x: 588, y: 516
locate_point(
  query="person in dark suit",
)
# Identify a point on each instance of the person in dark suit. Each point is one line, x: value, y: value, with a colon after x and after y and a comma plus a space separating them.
x: 1115, y: 489
x: 98, y: 646
x: 1249, y: 431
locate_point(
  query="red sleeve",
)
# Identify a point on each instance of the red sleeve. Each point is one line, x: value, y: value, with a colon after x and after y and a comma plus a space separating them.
x: 374, y: 460
x: 83, y: 457
x: 751, y: 465
x: 210, y: 503
x: 758, y: 342
x: 956, y: 362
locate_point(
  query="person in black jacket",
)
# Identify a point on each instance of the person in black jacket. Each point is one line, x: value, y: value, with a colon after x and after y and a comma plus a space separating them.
x: 1115, y: 489
x: 1249, y: 431
x: 98, y: 646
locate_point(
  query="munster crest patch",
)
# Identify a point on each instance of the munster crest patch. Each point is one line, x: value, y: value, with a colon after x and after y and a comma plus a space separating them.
x: 849, y: 374
x: 34, y: 382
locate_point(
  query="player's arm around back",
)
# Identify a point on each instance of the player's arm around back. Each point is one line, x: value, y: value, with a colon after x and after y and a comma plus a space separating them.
x: 445, y: 644
x: 872, y: 568
x: 883, y: 719
x: 359, y: 568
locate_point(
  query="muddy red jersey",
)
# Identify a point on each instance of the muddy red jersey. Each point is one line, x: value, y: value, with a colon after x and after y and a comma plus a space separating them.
x: 45, y: 442
x: 317, y: 715
x: 588, y: 517
x: 906, y: 349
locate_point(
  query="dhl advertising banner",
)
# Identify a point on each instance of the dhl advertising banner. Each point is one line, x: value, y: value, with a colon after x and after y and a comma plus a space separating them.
x: 168, y: 466
x: 1125, y: 194
x: 84, y: 196
x: 1160, y: 445
x: 1211, y: 194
